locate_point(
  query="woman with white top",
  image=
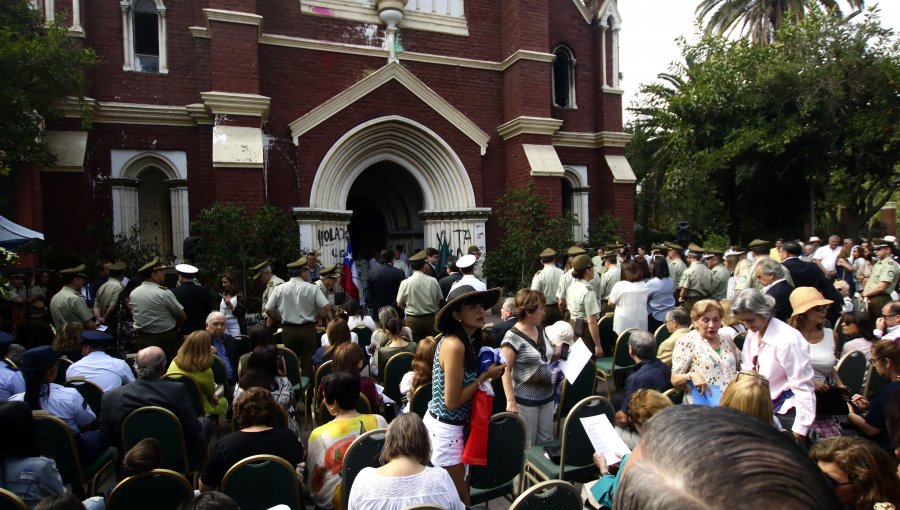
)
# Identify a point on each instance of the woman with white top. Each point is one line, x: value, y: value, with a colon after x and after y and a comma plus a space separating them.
x: 809, y: 309
x: 780, y: 354
x: 232, y: 301
x: 356, y: 316
x: 407, y: 477
x: 629, y: 296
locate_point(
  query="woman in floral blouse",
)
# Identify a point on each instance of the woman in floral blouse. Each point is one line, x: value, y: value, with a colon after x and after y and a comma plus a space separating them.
x: 702, y: 356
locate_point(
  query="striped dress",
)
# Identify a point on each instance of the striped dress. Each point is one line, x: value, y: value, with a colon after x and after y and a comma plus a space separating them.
x: 438, y: 406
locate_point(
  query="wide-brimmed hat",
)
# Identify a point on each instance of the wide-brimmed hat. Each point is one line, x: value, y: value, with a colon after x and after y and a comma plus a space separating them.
x: 462, y: 294
x: 805, y: 298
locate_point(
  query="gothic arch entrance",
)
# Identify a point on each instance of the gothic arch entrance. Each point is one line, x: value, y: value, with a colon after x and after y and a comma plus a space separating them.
x: 393, y: 157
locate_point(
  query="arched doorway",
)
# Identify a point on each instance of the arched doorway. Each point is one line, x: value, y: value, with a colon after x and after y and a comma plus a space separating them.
x: 154, y: 209
x: 385, y: 200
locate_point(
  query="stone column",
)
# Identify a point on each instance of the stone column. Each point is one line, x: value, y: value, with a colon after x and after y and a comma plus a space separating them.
x: 459, y: 228
x: 125, y: 205
x: 178, y: 200
x: 325, y: 231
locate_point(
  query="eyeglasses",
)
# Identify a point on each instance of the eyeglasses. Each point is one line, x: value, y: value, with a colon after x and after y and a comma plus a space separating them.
x: 889, y: 316
x: 834, y: 482
x: 821, y: 308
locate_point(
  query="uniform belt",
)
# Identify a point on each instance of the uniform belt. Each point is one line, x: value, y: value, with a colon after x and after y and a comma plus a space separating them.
x: 448, y: 421
x: 295, y: 325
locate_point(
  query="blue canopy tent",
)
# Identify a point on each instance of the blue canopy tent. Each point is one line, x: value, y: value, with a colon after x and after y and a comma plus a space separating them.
x: 13, y: 235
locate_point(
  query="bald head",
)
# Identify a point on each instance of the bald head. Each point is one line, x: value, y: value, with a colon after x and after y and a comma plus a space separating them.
x: 150, y: 362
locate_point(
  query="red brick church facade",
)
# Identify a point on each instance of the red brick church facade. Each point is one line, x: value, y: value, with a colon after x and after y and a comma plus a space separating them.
x: 399, y: 120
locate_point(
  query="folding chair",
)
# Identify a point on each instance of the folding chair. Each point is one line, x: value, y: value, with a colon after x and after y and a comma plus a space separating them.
x: 549, y: 495
x: 365, y: 451
x: 162, y: 425
x: 505, y: 460
x: 55, y: 440
x: 193, y: 389
x: 261, y: 482
x: 90, y: 392
x: 158, y: 489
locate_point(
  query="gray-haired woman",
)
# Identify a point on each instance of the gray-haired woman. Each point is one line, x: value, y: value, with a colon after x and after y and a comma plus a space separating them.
x: 780, y: 353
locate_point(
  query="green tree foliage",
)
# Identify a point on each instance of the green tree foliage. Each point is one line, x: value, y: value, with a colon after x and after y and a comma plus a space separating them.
x: 39, y: 66
x: 527, y: 229
x: 135, y: 253
x: 603, y: 230
x: 761, y: 19
x: 744, y: 137
x: 232, y: 241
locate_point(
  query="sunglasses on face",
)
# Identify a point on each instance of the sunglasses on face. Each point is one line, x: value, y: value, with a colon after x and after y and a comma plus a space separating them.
x: 834, y: 482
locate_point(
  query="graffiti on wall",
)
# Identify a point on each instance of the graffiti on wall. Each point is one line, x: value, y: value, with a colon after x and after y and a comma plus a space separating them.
x: 333, y: 240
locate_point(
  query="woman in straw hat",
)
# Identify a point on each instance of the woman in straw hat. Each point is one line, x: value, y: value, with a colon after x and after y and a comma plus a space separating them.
x: 808, y: 317
x: 456, y: 377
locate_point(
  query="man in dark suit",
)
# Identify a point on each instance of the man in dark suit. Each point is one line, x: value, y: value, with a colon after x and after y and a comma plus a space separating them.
x: 193, y: 297
x: 508, y: 314
x: 148, y: 390
x: 807, y: 274
x: 384, y: 282
x: 447, y: 281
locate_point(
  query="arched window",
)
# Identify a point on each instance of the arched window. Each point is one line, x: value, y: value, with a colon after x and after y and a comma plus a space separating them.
x: 564, y: 78
x: 144, y: 35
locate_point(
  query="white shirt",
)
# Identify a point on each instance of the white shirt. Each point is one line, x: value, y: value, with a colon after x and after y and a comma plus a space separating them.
x: 630, y: 299
x: 434, y: 486
x: 64, y: 403
x: 827, y: 256
x: 102, y: 370
x: 469, y: 279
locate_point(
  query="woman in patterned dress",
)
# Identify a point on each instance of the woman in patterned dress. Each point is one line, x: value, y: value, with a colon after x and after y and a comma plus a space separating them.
x: 702, y: 356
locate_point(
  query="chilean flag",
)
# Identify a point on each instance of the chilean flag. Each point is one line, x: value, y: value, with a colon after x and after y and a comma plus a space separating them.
x: 349, y: 276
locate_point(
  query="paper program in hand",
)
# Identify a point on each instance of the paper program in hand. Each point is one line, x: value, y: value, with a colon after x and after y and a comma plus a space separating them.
x: 604, y: 438
x: 579, y: 356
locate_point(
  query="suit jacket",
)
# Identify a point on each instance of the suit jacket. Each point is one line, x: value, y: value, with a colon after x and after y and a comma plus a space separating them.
x: 499, y: 330
x: 231, y: 354
x: 384, y: 282
x: 196, y: 302
x: 447, y: 282
x: 781, y: 291
x: 118, y: 403
x: 808, y: 274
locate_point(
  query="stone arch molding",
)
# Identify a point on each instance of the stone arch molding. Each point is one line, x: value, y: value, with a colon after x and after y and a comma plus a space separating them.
x: 429, y: 159
x: 450, y: 213
x: 126, y: 169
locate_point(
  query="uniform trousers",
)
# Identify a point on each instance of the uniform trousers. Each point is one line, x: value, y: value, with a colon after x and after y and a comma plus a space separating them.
x: 302, y: 339
x: 421, y: 325
x: 169, y: 342
x: 876, y: 303
x: 551, y: 315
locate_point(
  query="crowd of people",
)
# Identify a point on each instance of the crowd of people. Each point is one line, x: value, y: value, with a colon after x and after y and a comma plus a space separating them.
x: 758, y: 331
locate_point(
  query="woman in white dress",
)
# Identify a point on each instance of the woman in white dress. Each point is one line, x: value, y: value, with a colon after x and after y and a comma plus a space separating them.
x: 629, y: 296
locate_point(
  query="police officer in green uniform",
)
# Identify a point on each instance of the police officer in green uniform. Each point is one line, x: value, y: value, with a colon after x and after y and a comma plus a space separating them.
x: 67, y: 305
x: 581, y: 302
x: 611, y: 276
x: 883, y: 279
x: 266, y: 277
x: 546, y: 281
x: 419, y: 296
x: 106, y: 304
x: 297, y: 305
x: 720, y: 274
x: 566, y: 279
x: 157, y: 313
x: 696, y: 281
x: 676, y: 265
x: 328, y: 284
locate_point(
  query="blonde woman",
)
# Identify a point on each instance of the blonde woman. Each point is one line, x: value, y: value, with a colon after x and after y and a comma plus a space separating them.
x: 195, y: 358
x: 749, y: 393
x: 702, y: 356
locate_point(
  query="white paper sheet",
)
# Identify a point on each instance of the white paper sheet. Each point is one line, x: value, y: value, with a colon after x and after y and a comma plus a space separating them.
x: 386, y: 399
x: 604, y: 438
x: 579, y: 356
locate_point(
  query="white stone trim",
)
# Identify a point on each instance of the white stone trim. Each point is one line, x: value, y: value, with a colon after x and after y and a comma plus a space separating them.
x: 543, y: 160
x: 583, y: 10
x: 410, y: 56
x: 591, y: 140
x: 76, y: 29
x: 126, y: 166
x: 620, y: 169
x: 199, y: 32
x: 237, y: 147
x: 366, y: 12
x: 610, y: 9
x: 573, y: 105
x: 231, y: 103
x: 69, y: 147
x: 392, y: 71
x: 429, y: 159
x: 529, y: 125
x: 226, y: 16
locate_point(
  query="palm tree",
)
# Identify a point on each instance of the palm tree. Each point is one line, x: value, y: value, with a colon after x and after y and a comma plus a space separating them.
x: 760, y: 19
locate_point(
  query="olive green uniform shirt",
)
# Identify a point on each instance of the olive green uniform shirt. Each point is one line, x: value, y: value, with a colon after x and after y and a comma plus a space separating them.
x: 273, y: 282
x: 154, y: 308
x: 885, y: 270
x: 742, y: 274
x: 419, y: 294
x: 697, y: 279
x: 612, y: 276
x: 546, y: 281
x: 581, y: 300
x: 108, y: 295
x: 67, y: 306
x: 676, y: 269
x: 720, y: 276
x: 297, y: 301
x: 329, y: 293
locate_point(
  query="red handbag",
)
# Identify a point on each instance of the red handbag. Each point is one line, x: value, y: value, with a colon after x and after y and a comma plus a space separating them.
x: 475, y: 452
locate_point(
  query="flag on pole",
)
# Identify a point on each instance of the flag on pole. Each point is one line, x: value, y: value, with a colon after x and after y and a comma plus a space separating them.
x: 349, y: 277
x: 444, y: 255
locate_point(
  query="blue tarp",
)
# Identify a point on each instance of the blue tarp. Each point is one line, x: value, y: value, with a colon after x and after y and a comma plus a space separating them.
x: 13, y: 235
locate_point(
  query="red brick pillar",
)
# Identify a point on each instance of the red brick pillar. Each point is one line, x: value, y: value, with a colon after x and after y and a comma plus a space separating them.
x: 889, y: 218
